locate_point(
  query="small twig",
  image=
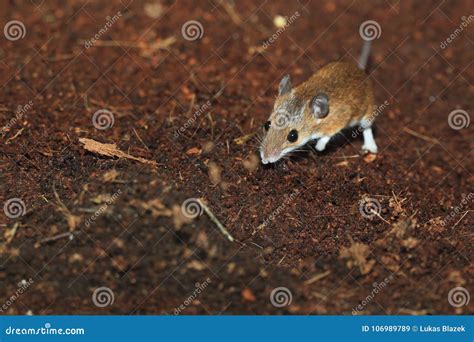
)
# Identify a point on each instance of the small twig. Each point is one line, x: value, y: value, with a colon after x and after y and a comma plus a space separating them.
x: 215, y: 220
x: 109, y: 43
x: 61, y: 58
x: 345, y: 157
x: 461, y: 218
x: 136, y: 133
x: 17, y: 134
x: 281, y: 260
x: 12, y: 232
x: 232, y: 13
x: 317, y: 277
x: 257, y: 245
x: 56, y: 237
x: 61, y: 205
x: 379, y: 216
x: 421, y: 136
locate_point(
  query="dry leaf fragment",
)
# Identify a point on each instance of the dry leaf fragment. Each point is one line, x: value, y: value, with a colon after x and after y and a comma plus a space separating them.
x: 214, y: 173
x: 179, y: 219
x: 196, y: 265
x: 155, y: 206
x: 248, y: 295
x: 72, y: 221
x: 357, y: 255
x: 111, y: 150
x: 110, y: 176
x: 243, y: 139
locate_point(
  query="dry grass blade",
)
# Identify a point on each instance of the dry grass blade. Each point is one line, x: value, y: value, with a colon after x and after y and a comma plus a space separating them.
x: 215, y: 220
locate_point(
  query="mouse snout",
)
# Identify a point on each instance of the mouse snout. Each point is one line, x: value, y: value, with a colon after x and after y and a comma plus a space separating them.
x: 269, y: 156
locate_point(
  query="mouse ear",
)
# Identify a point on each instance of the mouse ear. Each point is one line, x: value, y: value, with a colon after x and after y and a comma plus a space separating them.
x: 285, y: 85
x: 320, y: 106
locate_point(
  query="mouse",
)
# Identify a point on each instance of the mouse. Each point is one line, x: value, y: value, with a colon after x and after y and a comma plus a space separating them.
x: 337, y: 96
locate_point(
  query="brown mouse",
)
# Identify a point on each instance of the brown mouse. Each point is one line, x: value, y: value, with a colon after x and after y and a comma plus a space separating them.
x: 337, y: 96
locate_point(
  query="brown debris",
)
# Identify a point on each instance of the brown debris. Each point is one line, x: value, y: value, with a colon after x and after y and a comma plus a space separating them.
x: 214, y: 173
x: 357, y: 255
x: 251, y: 164
x: 248, y: 295
x: 111, y: 150
x: 110, y: 176
x: 155, y: 206
x: 194, y: 151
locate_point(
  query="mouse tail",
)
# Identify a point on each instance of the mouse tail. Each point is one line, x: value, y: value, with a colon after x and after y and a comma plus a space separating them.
x: 364, y: 54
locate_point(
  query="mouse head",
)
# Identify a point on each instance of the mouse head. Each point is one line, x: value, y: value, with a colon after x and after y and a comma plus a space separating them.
x: 291, y: 124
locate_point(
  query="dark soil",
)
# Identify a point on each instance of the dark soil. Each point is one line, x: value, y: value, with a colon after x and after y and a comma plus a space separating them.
x: 141, y: 247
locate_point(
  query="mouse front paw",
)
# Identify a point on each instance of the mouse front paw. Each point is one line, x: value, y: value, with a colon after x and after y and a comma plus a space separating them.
x: 321, y: 144
x: 369, y: 148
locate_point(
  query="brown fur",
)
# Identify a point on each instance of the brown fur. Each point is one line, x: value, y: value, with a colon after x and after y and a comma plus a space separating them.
x: 350, y: 99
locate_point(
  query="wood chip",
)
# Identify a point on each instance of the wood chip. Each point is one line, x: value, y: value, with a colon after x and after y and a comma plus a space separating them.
x: 111, y: 150
x: 194, y: 151
x: 248, y: 295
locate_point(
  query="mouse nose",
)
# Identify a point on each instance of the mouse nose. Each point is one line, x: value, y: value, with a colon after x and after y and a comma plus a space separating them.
x: 272, y: 157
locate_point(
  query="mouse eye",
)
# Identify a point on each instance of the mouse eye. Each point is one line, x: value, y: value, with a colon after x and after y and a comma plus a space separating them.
x: 293, y: 135
x: 267, y: 125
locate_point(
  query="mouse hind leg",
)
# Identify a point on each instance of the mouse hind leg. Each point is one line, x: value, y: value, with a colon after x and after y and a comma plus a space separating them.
x: 366, y: 125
